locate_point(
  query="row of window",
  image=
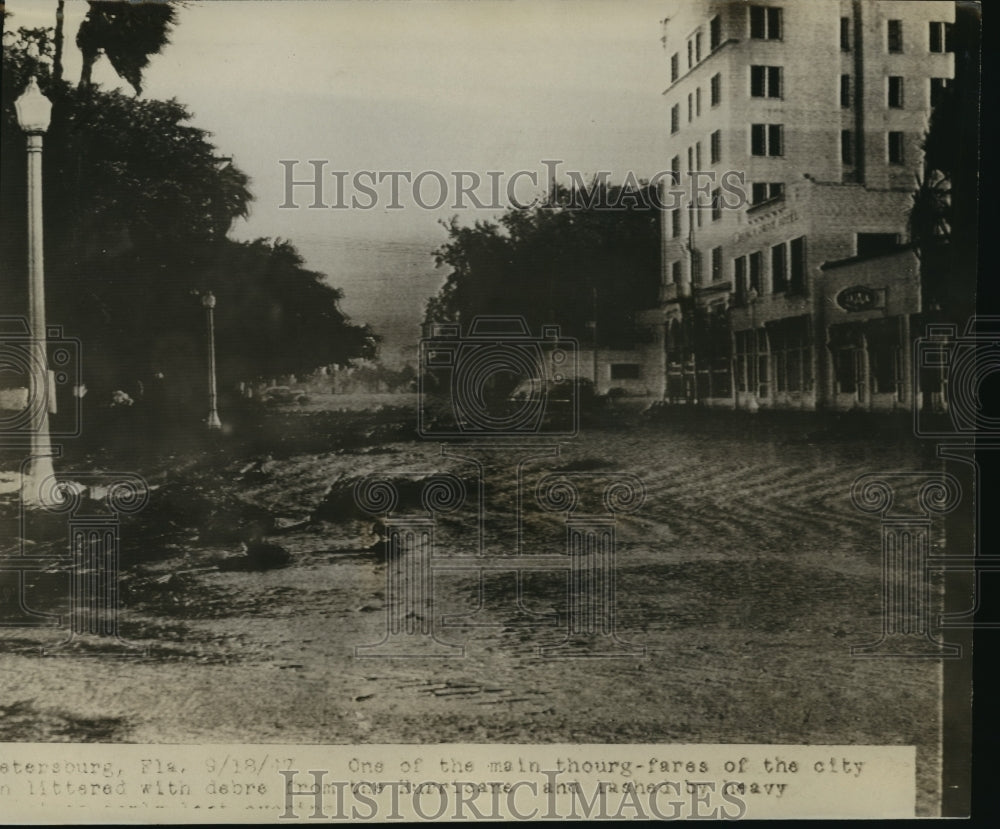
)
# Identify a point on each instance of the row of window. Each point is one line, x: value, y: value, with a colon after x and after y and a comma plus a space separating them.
x: 768, y: 82
x: 697, y: 268
x: 694, y: 103
x: 895, y: 85
x: 766, y: 23
x: 869, y: 365
x: 764, y: 356
x: 787, y: 270
x: 781, y: 356
x: 715, y: 205
x: 768, y: 140
x: 939, y: 36
x: 895, y: 145
x: 765, y: 140
x: 694, y: 48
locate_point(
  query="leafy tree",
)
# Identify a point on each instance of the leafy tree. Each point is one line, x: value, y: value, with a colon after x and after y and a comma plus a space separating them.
x: 138, y: 205
x: 568, y: 261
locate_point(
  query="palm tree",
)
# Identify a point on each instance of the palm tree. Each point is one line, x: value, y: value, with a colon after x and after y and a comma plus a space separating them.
x: 127, y: 32
x: 943, y: 220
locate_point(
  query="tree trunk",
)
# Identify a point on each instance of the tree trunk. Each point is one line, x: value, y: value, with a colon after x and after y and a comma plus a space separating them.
x: 89, y: 59
x: 57, y: 65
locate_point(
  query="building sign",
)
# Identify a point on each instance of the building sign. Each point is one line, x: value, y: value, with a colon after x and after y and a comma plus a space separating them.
x: 771, y: 221
x: 859, y: 298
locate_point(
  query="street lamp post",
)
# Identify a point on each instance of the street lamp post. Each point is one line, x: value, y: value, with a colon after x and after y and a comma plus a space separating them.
x: 34, y: 113
x: 754, y: 373
x: 208, y: 301
x: 592, y: 324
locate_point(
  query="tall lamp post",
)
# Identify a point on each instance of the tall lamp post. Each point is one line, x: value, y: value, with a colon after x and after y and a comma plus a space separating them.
x: 592, y: 325
x: 754, y: 374
x: 208, y: 302
x: 34, y: 112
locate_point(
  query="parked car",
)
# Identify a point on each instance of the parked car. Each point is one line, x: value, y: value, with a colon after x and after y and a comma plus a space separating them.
x: 278, y: 395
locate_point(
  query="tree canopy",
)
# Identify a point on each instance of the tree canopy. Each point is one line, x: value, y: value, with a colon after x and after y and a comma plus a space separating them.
x: 579, y: 256
x: 137, y: 207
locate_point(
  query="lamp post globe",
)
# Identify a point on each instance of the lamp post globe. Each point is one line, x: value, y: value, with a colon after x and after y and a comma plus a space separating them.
x: 34, y: 112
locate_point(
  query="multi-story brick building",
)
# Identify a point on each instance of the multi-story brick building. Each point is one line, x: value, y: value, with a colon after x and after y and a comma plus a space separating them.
x: 816, y: 111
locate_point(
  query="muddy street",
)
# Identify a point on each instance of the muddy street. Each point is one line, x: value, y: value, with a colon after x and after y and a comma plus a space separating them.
x: 738, y: 586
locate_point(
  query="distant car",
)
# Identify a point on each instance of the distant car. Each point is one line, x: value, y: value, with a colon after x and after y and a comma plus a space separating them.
x: 278, y: 395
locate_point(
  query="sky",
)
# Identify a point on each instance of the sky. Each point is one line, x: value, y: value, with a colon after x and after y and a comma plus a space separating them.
x: 442, y: 86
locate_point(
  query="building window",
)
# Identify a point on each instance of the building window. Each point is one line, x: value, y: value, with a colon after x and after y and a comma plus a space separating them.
x: 846, y: 370
x: 715, y: 153
x: 697, y: 48
x: 847, y: 147
x: 697, y: 155
x: 716, y: 205
x: 941, y: 37
x: 625, y: 371
x: 797, y: 281
x: 691, y: 166
x: 675, y: 67
x: 792, y: 353
x: 697, y: 102
x: 675, y: 273
x: 896, y: 148
x: 675, y: 118
x: 746, y: 346
x: 766, y: 139
x: 761, y: 191
x: 883, y: 357
x: 717, y: 264
x: 765, y: 23
x: 938, y: 87
x: 756, y: 271
x: 740, y: 279
x: 895, y: 36
x: 675, y: 169
x: 716, y: 89
x: 765, y: 81
x: 675, y: 223
x: 845, y: 91
x: 690, y: 54
x: 895, y: 92
x: 779, y: 268
x: 690, y: 106
x: 715, y: 33
x: 845, y: 34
